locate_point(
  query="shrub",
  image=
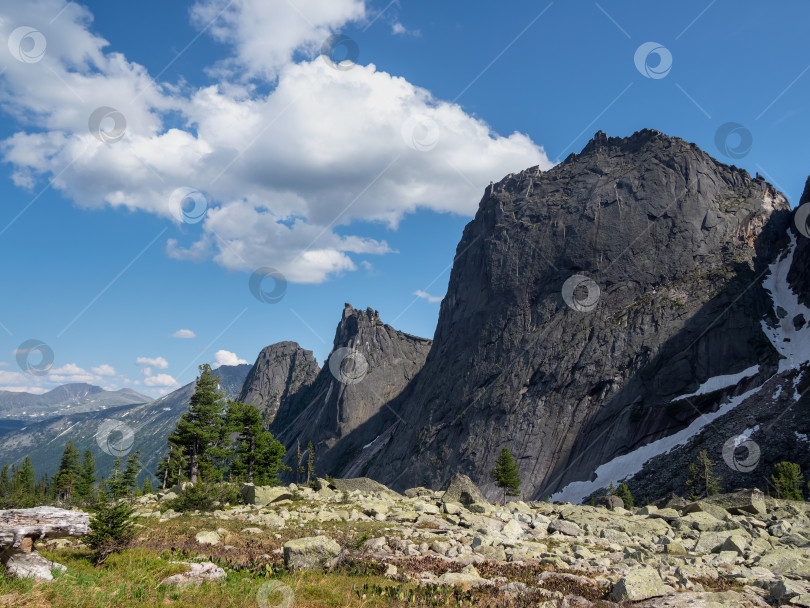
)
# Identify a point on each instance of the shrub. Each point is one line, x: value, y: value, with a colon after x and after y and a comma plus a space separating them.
x: 111, y: 529
x: 205, y: 496
x: 788, y: 479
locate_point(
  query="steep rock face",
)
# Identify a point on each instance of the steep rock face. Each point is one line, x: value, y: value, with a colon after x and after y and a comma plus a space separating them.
x: 799, y: 276
x: 370, y: 364
x: 280, y: 370
x: 671, y: 247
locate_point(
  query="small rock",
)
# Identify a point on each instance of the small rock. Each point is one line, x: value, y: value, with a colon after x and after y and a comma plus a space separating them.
x: 207, y: 538
x: 198, y: 573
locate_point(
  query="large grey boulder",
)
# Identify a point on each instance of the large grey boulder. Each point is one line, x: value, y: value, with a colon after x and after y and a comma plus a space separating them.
x: 197, y: 574
x: 362, y: 484
x: 461, y: 488
x: 639, y: 585
x: 311, y: 553
x: 264, y: 495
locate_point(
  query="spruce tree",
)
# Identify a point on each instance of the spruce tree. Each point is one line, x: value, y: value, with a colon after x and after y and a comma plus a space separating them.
x: 310, y: 462
x: 26, y: 478
x: 506, y: 474
x: 701, y: 478
x: 146, y: 488
x: 623, y: 492
x: 129, y: 478
x: 4, y: 482
x: 200, y: 430
x: 788, y: 479
x: 87, y: 477
x: 67, y: 478
x: 299, y: 466
x: 246, y: 421
x: 171, y: 466
x: 269, y: 460
x: 111, y: 528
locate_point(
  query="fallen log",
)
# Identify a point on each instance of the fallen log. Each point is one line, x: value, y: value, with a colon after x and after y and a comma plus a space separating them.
x: 18, y: 529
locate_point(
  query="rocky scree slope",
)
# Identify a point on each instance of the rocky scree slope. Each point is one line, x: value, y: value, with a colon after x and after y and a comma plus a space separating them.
x: 742, y: 549
x: 669, y: 248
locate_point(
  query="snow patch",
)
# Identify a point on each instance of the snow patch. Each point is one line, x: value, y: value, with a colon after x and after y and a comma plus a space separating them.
x: 744, y: 436
x: 627, y: 465
x: 801, y: 436
x: 792, y: 344
x: 368, y: 445
x: 720, y: 382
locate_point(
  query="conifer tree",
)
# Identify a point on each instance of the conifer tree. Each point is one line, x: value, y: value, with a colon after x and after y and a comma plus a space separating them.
x: 310, y: 462
x: 87, y: 476
x: 623, y: 492
x: 506, y: 474
x: 246, y: 421
x: 788, y: 479
x: 146, y: 488
x: 269, y: 460
x: 701, y: 478
x: 200, y: 431
x: 129, y: 478
x: 170, y: 468
x: 67, y: 478
x: 4, y: 482
x: 299, y: 466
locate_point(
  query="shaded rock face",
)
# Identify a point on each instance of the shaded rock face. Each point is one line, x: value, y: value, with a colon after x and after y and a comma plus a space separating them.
x: 340, y: 411
x: 280, y: 370
x: 675, y: 244
x: 799, y: 275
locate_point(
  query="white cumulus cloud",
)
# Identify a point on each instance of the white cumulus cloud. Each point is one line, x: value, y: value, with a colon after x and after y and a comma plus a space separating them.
x: 164, y: 380
x: 184, y: 333
x: 426, y: 296
x: 103, y: 370
x: 281, y: 166
x: 158, y: 362
x: 226, y: 357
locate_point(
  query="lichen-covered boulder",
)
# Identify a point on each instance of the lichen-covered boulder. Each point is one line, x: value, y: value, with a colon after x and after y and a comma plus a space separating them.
x: 311, y: 553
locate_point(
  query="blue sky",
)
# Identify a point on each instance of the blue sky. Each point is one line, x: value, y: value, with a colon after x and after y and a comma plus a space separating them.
x: 354, y: 184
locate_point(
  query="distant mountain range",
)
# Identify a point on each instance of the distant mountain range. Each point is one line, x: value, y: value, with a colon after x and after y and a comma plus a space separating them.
x: 68, y: 398
x: 149, y: 424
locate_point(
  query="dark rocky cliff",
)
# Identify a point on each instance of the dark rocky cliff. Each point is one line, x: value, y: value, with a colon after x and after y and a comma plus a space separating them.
x: 582, y: 303
x: 370, y: 365
x: 280, y: 371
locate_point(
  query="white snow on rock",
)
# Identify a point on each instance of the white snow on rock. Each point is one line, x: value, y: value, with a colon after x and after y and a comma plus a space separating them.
x: 792, y: 344
x: 720, y: 382
x: 629, y: 464
x: 801, y: 436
